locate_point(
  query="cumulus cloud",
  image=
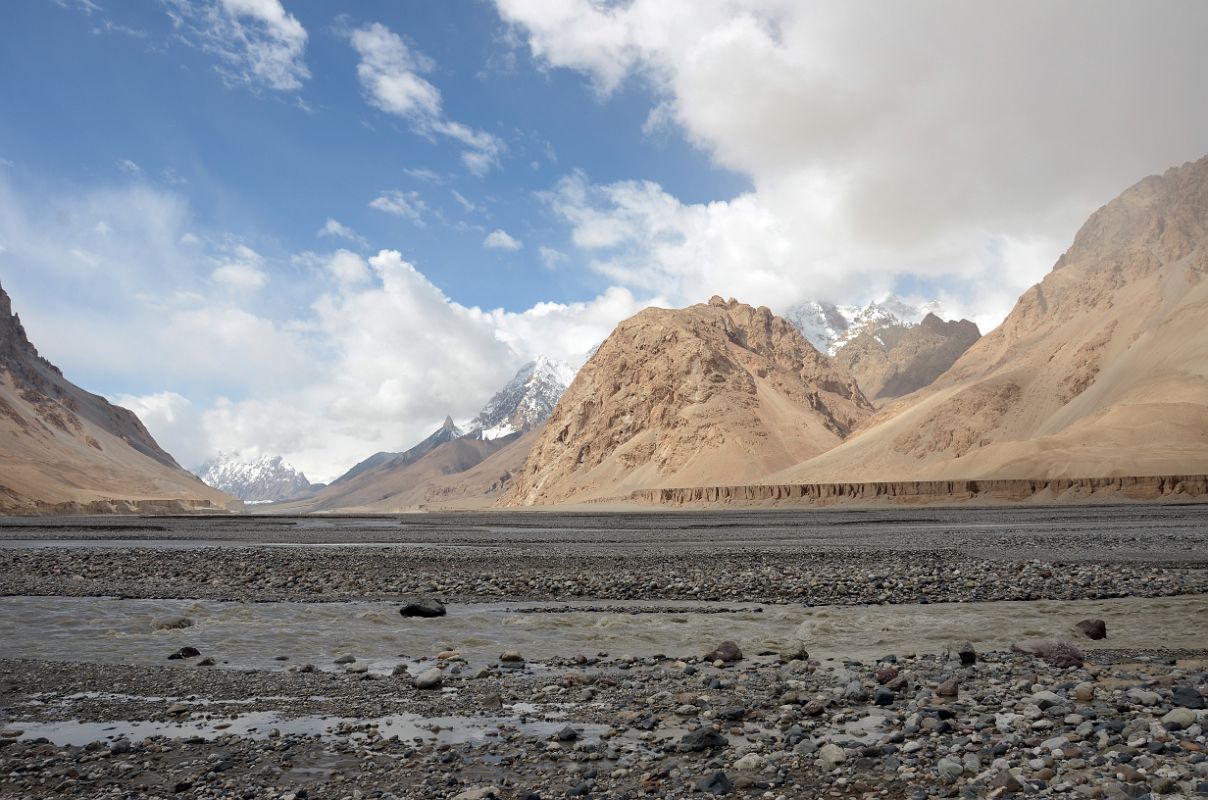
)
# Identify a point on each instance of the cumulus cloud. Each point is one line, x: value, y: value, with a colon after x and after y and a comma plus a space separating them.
x: 408, y: 205
x: 551, y: 258
x: 129, y: 167
x: 333, y: 228
x: 869, y: 152
x: 391, y: 74
x: 499, y: 239
x: 257, y: 42
x: 370, y: 355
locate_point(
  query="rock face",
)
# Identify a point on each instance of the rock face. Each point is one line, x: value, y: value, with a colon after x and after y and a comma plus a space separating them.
x: 526, y: 401
x: 1101, y: 369
x: 65, y: 449
x: 715, y: 393
x: 267, y: 479
x: 901, y: 358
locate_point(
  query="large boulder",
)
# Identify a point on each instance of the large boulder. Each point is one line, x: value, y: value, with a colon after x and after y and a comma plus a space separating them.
x: 426, y: 608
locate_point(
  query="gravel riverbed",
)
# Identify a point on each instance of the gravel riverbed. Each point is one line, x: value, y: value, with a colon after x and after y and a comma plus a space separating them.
x: 766, y: 718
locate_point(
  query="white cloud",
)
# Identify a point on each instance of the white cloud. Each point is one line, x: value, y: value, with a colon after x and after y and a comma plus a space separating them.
x: 335, y: 229
x: 243, y: 270
x: 500, y: 239
x: 872, y: 159
x: 129, y: 167
x: 257, y: 42
x: 390, y: 74
x: 174, y: 422
x: 367, y: 355
x: 408, y: 205
x: 551, y: 258
x: 469, y: 206
x: 348, y: 268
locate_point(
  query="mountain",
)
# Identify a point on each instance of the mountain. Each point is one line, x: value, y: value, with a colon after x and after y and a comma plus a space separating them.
x: 447, y: 432
x: 65, y: 449
x: 714, y: 393
x: 266, y: 479
x: 829, y: 327
x: 1100, y: 370
x: 526, y: 401
x: 899, y: 358
x: 466, y: 472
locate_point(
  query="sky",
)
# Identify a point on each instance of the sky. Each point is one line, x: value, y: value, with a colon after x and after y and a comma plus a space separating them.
x: 315, y: 228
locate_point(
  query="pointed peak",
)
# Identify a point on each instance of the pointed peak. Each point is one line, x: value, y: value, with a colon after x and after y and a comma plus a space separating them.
x: 447, y: 425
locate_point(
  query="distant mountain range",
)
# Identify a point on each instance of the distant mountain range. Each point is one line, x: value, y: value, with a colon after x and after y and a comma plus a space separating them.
x: 1100, y: 371
x: 261, y: 480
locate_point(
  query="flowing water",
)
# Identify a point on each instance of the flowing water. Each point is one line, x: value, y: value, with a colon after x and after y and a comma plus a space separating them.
x: 253, y: 635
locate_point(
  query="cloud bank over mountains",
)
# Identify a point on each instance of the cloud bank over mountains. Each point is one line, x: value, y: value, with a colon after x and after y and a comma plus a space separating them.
x: 872, y: 164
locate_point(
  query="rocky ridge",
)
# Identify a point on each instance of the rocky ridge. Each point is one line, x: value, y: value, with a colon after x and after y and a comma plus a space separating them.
x: 690, y: 397
x: 1101, y: 369
x: 67, y: 448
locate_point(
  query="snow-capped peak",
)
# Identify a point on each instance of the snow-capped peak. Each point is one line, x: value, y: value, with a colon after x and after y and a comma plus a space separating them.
x: 527, y: 400
x: 259, y: 480
x: 828, y: 326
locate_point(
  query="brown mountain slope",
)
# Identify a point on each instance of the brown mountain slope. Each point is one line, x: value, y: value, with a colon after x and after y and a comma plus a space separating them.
x: 1100, y: 370
x: 61, y: 445
x: 899, y: 359
x: 465, y: 472
x: 715, y: 393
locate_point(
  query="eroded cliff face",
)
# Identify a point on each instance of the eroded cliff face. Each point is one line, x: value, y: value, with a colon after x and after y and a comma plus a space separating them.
x: 1101, y: 369
x: 895, y: 360
x: 61, y: 446
x: 717, y: 391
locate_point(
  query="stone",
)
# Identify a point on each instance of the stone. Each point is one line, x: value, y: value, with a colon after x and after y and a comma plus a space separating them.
x: 482, y: 793
x: 1178, y: 719
x: 424, y: 609
x: 1187, y: 697
x: 794, y: 651
x: 171, y: 623
x: 567, y: 734
x: 831, y: 755
x: 885, y: 674
x: 949, y: 769
x: 967, y: 654
x: 703, y: 739
x: 346, y: 658
x: 715, y: 783
x: 1093, y: 628
x: 751, y: 762
x: 1007, y: 782
x: 184, y: 652
x: 511, y: 657
x: 727, y: 652
x: 431, y: 678
x: 883, y: 696
x: 948, y: 688
x: 1057, y: 652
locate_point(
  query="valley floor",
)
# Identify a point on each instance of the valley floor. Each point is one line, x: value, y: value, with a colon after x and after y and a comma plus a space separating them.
x: 851, y: 625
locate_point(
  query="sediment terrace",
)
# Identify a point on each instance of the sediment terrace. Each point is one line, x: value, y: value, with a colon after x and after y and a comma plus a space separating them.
x: 1060, y: 490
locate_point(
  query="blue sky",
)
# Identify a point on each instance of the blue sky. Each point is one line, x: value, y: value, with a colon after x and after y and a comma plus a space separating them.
x: 315, y: 228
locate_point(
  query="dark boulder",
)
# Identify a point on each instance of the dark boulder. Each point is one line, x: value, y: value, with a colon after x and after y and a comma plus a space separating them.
x: 1093, y: 628
x: 727, y: 652
x: 423, y: 608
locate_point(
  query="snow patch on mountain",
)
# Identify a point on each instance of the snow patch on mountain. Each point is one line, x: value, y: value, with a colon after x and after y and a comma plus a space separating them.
x: 265, y: 479
x: 828, y: 326
x: 527, y: 400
